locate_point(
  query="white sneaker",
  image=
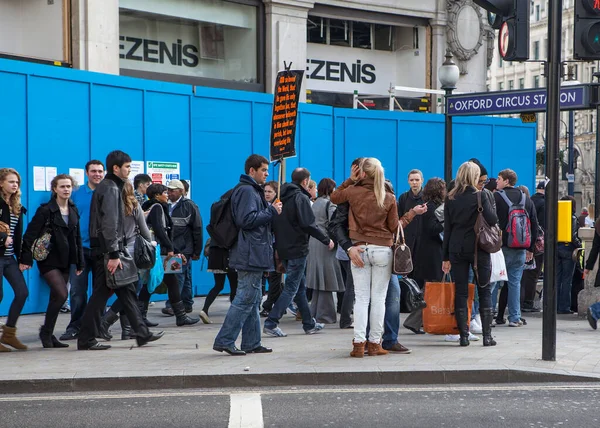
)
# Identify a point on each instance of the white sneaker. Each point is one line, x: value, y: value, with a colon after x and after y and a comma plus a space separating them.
x: 472, y: 337
x: 475, y: 327
x: 452, y: 338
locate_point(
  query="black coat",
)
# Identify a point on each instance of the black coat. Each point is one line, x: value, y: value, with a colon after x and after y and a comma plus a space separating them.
x: 66, y: 248
x: 429, y: 248
x: 539, y: 201
x: 406, y: 202
x: 460, y: 215
x: 18, y: 235
x: 161, y: 224
x: 339, y: 226
x: 296, y: 224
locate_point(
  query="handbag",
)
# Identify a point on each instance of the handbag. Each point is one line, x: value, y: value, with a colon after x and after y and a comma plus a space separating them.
x: 4, y: 228
x: 438, y: 316
x: 42, y: 245
x: 539, y: 242
x: 499, y: 272
x: 401, y: 258
x: 156, y: 274
x: 413, y: 295
x: 144, y: 253
x: 487, y: 238
x: 124, y: 276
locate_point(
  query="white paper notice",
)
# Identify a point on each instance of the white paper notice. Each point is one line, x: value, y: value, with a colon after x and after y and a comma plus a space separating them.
x: 78, y: 174
x: 137, y: 167
x: 51, y: 172
x: 39, y: 179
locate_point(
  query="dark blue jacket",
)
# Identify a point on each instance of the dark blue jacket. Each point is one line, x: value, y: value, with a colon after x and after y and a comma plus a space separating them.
x: 252, y: 214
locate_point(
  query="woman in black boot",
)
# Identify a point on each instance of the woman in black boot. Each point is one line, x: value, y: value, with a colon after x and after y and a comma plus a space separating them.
x: 460, y: 215
x: 159, y: 221
x: 60, y: 219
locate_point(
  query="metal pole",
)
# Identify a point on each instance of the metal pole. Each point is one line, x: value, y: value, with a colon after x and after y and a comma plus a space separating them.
x: 571, y: 160
x: 448, y: 141
x: 552, y: 160
x: 597, y: 179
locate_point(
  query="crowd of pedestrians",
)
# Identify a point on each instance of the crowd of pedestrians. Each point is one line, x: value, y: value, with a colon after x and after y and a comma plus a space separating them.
x: 313, y: 250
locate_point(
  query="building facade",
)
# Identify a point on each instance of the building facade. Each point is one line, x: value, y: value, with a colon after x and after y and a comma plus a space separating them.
x: 504, y: 75
x: 343, y: 45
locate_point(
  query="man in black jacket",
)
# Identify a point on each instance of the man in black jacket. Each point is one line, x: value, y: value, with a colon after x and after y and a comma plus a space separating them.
x: 408, y: 200
x: 531, y: 276
x: 187, y: 239
x: 107, y: 238
x: 515, y: 258
x: 293, y: 229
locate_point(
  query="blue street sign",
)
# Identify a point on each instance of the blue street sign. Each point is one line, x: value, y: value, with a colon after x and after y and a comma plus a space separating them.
x: 521, y: 101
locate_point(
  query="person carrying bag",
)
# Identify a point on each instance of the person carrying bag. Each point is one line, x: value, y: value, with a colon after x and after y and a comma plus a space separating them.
x: 439, y: 316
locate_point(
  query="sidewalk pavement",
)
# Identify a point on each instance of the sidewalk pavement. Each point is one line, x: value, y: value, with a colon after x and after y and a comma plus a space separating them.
x: 184, y: 358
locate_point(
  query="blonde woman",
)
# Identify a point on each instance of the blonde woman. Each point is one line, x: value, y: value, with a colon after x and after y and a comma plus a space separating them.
x: 11, y: 237
x: 460, y: 215
x: 372, y: 221
x: 60, y: 217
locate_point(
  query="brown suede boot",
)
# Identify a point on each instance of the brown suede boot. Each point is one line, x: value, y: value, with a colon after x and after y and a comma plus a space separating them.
x: 359, y: 349
x: 9, y: 338
x: 376, y: 349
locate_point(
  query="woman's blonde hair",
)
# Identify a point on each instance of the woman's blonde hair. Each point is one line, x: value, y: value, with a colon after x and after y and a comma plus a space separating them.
x: 467, y: 175
x: 373, y: 169
x: 129, y: 200
x: 14, y: 201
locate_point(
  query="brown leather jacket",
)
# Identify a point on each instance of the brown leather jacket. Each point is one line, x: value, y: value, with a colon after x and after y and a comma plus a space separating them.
x: 367, y: 221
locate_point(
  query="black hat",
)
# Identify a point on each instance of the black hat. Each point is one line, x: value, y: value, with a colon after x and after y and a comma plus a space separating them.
x: 541, y: 185
x: 481, y: 167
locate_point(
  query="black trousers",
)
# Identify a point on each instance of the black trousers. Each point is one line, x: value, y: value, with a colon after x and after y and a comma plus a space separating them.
x: 93, y: 312
x: 461, y: 263
x: 529, y: 281
x: 348, y: 302
x: 275, y: 287
x: 219, y: 286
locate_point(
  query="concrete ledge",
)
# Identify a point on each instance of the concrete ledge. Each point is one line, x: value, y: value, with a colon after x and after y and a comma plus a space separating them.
x: 492, y: 376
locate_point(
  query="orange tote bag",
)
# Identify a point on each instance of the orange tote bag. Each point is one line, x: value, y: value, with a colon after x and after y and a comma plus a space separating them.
x: 438, y: 316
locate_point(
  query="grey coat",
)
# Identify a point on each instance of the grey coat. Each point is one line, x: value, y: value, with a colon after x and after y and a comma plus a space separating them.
x: 323, y: 270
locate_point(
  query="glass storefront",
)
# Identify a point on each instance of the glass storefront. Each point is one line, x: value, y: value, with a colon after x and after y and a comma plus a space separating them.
x: 204, y: 42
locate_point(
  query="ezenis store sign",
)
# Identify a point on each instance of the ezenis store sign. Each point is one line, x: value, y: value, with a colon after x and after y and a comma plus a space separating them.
x: 342, y: 69
x: 158, y: 52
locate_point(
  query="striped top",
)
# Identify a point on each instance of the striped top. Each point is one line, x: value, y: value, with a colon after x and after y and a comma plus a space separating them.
x: 13, y: 225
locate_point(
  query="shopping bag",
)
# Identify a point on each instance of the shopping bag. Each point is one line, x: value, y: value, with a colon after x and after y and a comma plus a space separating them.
x: 498, y: 267
x: 438, y: 316
x: 157, y: 273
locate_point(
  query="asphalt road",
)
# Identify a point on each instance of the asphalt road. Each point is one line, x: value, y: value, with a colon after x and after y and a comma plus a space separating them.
x: 390, y: 406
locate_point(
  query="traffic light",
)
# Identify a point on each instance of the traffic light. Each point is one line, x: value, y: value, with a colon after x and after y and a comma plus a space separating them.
x: 586, y: 36
x: 511, y: 17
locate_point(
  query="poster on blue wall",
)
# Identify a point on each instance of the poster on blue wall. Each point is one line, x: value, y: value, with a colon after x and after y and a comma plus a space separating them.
x: 285, y: 114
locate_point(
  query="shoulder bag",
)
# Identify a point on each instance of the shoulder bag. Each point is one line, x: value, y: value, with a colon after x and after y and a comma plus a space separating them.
x: 126, y: 275
x: 401, y: 258
x: 487, y: 238
x: 42, y: 245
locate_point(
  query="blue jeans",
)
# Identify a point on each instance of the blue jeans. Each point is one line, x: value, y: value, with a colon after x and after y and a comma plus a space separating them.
x: 243, y: 314
x: 79, y: 291
x: 595, y: 309
x: 475, y: 308
x: 515, y: 262
x: 391, y: 322
x: 294, y: 288
x: 565, y: 268
x: 185, y: 285
x: 495, y: 287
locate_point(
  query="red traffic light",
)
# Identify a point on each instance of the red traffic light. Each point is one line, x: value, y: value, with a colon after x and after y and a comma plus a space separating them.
x: 592, y: 6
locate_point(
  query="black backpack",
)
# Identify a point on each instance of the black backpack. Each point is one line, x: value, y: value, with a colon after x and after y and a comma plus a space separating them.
x: 221, y: 228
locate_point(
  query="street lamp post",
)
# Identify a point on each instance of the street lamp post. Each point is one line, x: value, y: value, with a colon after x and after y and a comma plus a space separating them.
x: 449, y: 74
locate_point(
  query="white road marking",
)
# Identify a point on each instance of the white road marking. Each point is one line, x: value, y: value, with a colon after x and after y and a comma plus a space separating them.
x: 378, y: 388
x: 245, y: 411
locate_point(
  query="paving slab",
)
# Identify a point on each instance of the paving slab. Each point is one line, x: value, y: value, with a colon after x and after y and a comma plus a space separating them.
x: 184, y: 358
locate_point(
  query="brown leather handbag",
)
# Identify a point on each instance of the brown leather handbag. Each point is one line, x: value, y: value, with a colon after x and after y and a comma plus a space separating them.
x: 487, y: 238
x: 401, y: 258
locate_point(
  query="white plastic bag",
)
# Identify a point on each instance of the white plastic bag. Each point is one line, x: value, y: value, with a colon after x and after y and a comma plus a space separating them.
x: 498, y: 267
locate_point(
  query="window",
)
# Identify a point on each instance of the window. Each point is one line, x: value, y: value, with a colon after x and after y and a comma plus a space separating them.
x: 501, y: 86
x: 522, y: 83
x: 316, y: 29
x: 384, y: 37
x: 511, y: 84
x: 536, y: 81
x: 361, y: 35
x: 500, y: 63
x: 536, y: 50
x: 339, y: 32
x: 537, y: 12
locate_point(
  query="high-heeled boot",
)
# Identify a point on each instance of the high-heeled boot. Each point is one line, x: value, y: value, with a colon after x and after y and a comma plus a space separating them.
x: 462, y: 320
x: 487, y: 314
x: 182, y: 317
x: 126, y: 331
x: 144, y: 310
x: 108, y: 319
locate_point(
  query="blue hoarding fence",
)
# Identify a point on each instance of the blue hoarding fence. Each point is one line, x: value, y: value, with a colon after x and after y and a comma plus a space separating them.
x: 576, y: 97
